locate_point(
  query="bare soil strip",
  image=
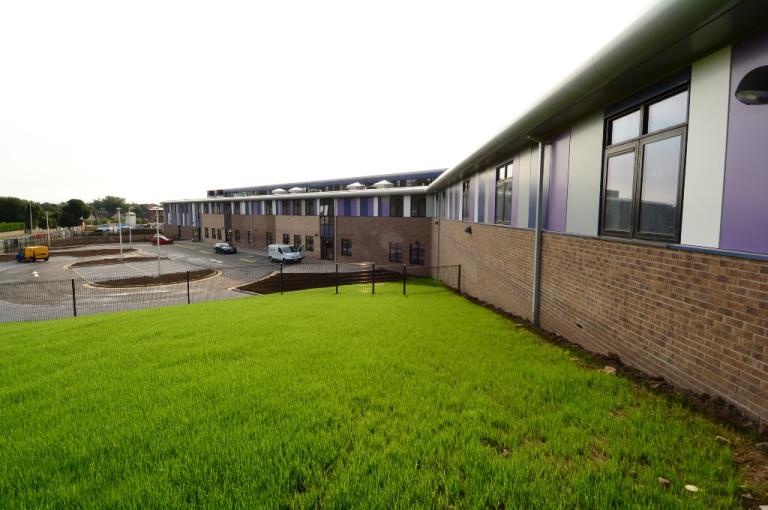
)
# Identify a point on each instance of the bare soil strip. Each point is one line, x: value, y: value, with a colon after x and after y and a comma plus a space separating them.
x: 110, y: 261
x: 151, y: 281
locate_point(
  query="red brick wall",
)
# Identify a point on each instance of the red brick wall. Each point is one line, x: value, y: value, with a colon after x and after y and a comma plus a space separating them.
x: 698, y: 320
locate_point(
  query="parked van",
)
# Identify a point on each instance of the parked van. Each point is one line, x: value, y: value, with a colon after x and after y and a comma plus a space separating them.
x: 285, y: 253
x: 32, y: 254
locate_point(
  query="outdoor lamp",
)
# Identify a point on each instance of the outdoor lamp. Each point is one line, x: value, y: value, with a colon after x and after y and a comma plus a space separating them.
x: 753, y: 88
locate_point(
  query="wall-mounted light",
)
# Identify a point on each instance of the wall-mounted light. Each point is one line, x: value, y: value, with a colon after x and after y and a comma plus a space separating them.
x: 468, y: 230
x: 753, y: 88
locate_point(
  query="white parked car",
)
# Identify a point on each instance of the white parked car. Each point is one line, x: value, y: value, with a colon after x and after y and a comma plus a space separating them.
x: 285, y: 253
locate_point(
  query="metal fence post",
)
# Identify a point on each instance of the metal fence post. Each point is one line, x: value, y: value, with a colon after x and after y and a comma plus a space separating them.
x: 281, y: 277
x: 189, y: 300
x: 74, y: 298
x: 459, y: 282
x: 405, y: 271
x: 337, y: 277
x: 373, y: 278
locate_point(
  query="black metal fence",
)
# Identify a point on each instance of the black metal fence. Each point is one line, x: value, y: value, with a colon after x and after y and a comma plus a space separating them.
x: 42, y: 300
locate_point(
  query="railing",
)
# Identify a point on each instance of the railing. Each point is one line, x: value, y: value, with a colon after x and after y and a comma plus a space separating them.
x: 42, y: 300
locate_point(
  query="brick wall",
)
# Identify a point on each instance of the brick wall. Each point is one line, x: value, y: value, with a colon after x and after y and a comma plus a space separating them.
x: 698, y: 320
x: 179, y: 232
x: 371, y: 236
x: 258, y: 226
x: 299, y: 225
x: 496, y: 262
x: 212, y: 221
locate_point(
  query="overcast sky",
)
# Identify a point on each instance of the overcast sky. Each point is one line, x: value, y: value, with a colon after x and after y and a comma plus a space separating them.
x: 164, y: 100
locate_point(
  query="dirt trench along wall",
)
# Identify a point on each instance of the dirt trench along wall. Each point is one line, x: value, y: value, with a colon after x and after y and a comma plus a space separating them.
x: 698, y: 320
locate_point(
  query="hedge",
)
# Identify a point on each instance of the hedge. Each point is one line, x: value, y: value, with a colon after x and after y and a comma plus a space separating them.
x: 10, y: 227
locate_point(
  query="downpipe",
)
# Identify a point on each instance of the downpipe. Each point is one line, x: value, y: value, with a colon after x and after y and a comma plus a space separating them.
x: 537, y: 239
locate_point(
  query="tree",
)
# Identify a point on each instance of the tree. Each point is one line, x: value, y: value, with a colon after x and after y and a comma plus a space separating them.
x: 72, y: 211
x: 109, y: 204
x: 13, y: 209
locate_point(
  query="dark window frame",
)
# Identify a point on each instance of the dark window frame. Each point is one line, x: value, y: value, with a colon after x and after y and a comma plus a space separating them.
x: 504, y: 181
x: 237, y: 234
x: 420, y: 251
x: 396, y: 252
x: 286, y: 238
x: 465, y: 200
x: 637, y: 145
x: 346, y: 247
x: 309, y: 243
x: 396, y: 206
x: 270, y: 238
x: 418, y: 206
x: 296, y: 240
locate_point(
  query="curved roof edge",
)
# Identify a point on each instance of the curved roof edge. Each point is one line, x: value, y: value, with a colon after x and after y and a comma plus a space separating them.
x: 670, y: 36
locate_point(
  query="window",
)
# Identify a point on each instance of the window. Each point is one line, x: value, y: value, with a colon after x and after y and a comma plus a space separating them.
x: 218, y: 234
x: 270, y: 239
x: 237, y: 235
x: 297, y: 240
x: 465, y: 201
x: 643, y: 170
x: 268, y: 207
x: 249, y: 237
x: 297, y: 207
x: 285, y: 207
x: 286, y: 238
x: 206, y: 232
x: 309, y: 243
x: 395, y: 252
x: 346, y: 247
x: 419, y: 206
x: 417, y: 254
x: 504, y: 194
x: 396, y: 207
x: 309, y: 207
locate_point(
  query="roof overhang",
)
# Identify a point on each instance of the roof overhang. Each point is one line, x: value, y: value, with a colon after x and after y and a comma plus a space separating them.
x: 404, y: 190
x: 668, y: 38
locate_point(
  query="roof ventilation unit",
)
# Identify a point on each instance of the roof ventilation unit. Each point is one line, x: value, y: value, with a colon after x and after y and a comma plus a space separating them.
x: 355, y: 186
x: 383, y: 184
x: 296, y: 189
x: 278, y: 191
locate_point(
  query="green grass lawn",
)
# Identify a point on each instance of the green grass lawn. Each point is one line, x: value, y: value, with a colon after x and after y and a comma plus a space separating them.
x: 310, y: 399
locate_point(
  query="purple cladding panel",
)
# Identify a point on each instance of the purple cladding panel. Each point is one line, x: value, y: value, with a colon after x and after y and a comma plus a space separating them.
x: 558, y: 182
x: 384, y: 206
x: 744, y: 226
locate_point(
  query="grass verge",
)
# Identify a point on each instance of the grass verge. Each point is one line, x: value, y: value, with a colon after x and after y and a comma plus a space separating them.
x: 322, y: 400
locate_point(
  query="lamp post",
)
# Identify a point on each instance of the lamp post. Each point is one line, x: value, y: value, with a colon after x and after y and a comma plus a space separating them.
x: 120, y: 232
x: 31, y: 226
x: 48, y: 228
x: 157, y: 237
x: 130, y: 228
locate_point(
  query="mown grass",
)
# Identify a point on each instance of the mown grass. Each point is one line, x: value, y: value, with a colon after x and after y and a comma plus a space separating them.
x: 310, y: 399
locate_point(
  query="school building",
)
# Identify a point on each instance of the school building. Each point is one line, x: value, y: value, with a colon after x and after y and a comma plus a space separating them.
x: 626, y: 211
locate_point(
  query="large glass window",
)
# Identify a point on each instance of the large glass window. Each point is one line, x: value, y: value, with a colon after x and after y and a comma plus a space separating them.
x: 643, y: 170
x: 309, y: 243
x: 309, y: 207
x: 418, y: 206
x: 465, y: 200
x: 346, y: 247
x: 504, y: 194
x: 396, y: 207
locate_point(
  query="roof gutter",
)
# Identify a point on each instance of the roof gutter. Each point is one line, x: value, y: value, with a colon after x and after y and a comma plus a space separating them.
x: 669, y: 23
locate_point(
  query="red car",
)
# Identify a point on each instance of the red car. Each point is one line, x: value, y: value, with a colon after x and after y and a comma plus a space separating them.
x: 158, y: 239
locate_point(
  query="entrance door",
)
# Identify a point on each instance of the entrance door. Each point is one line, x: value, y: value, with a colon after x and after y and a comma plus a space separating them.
x: 326, y: 248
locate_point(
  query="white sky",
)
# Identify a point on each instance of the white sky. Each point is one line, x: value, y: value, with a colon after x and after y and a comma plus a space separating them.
x: 163, y: 100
